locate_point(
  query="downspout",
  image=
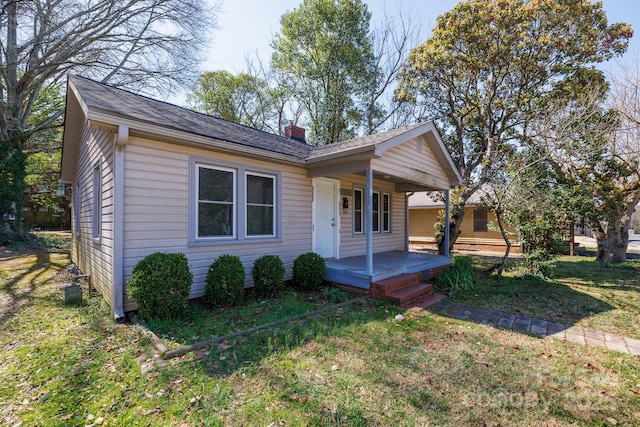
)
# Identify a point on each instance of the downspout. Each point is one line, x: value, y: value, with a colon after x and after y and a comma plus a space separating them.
x: 447, y: 225
x: 406, y: 220
x: 117, y: 298
x: 369, y: 221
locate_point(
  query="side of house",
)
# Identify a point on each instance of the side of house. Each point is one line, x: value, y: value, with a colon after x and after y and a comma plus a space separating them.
x: 478, y: 230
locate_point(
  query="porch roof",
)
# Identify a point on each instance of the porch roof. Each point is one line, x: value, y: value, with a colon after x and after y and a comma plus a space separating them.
x: 359, y: 154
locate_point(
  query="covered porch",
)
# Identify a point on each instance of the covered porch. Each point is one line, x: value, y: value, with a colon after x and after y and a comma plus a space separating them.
x: 353, y: 271
x: 404, y: 161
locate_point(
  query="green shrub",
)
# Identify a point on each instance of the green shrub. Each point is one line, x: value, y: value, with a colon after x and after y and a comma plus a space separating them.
x: 160, y: 285
x: 225, y: 281
x: 538, y: 262
x: 461, y: 277
x: 334, y: 295
x: 268, y: 275
x: 308, y: 271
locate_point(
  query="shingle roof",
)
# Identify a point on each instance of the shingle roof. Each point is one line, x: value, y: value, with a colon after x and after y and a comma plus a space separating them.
x: 127, y: 104
x: 362, y: 141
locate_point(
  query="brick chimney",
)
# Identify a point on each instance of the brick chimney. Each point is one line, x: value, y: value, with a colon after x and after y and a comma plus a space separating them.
x: 295, y: 132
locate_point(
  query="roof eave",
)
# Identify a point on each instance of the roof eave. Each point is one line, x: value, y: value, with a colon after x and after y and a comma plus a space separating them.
x: 154, y: 131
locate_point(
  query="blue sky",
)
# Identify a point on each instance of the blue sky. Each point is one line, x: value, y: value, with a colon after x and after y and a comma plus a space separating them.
x: 247, y: 26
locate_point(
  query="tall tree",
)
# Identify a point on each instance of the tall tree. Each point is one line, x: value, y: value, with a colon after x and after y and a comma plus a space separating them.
x: 235, y: 98
x: 147, y: 45
x: 490, y: 66
x: 325, y: 50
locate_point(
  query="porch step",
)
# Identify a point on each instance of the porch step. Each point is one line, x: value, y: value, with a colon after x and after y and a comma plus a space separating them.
x: 408, y: 296
x: 404, y: 289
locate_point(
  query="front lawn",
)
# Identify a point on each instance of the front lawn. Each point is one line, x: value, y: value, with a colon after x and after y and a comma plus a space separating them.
x: 358, y: 366
x: 579, y: 291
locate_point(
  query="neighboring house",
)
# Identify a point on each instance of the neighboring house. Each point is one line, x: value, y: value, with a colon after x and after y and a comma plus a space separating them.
x: 148, y: 176
x: 475, y: 231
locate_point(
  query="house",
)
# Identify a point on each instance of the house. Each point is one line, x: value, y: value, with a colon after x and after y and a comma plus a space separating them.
x: 476, y: 232
x: 149, y: 176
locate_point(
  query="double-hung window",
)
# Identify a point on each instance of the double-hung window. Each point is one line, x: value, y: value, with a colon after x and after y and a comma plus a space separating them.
x: 260, y: 214
x: 216, y: 198
x: 96, y: 213
x: 233, y: 202
x: 381, y: 214
x: 386, y: 212
x: 358, y: 211
x: 376, y: 212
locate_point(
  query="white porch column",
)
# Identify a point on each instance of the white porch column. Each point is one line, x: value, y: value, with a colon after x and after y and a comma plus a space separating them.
x: 446, y: 222
x: 368, y: 220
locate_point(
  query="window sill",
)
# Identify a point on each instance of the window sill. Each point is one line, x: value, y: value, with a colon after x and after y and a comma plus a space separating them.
x: 224, y: 242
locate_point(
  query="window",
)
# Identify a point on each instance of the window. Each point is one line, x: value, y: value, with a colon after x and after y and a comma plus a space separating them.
x: 216, y: 190
x: 230, y: 202
x: 358, y: 219
x: 76, y: 209
x: 480, y: 220
x: 260, y: 205
x: 376, y: 212
x: 381, y: 215
x: 97, y: 201
x: 386, y: 212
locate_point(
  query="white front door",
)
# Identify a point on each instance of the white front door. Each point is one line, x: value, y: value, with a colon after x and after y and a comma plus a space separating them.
x: 325, y: 218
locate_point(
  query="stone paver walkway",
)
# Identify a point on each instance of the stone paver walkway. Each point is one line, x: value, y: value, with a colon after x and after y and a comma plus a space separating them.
x: 529, y: 325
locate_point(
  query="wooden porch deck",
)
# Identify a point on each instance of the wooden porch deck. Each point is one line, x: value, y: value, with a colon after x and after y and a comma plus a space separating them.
x: 352, y: 271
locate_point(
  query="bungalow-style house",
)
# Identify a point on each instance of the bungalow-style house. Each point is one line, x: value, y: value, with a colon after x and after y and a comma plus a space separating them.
x: 148, y: 176
x: 475, y: 231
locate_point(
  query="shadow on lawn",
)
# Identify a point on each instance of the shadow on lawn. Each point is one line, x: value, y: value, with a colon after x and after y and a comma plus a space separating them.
x: 24, y: 278
x: 242, y: 352
x: 546, y: 299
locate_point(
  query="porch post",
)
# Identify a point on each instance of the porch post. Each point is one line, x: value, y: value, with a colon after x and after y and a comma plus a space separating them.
x: 369, y: 221
x: 446, y: 222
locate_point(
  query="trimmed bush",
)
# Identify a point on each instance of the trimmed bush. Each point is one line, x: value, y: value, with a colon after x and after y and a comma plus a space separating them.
x: 160, y: 285
x: 225, y: 281
x: 268, y: 275
x: 308, y: 271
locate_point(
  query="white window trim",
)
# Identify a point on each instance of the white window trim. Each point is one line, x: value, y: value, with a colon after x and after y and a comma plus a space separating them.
x: 382, y: 212
x: 76, y: 209
x: 273, y: 205
x: 96, y: 214
x: 362, y: 211
x: 379, y: 222
x: 241, y: 171
x: 234, y: 226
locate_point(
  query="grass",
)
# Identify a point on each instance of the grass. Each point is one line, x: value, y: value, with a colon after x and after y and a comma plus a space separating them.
x: 71, y: 365
x: 579, y: 291
x: 203, y: 323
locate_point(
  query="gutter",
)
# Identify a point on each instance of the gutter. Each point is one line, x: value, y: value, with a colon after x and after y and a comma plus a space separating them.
x: 117, y: 297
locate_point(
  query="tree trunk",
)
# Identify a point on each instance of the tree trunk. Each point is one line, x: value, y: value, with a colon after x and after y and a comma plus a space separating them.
x: 612, y: 243
x: 507, y: 242
x: 457, y: 215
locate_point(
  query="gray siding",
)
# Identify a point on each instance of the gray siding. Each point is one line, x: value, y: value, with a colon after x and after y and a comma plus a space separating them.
x: 413, y: 161
x: 95, y: 256
x: 157, y: 210
x: 355, y: 244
